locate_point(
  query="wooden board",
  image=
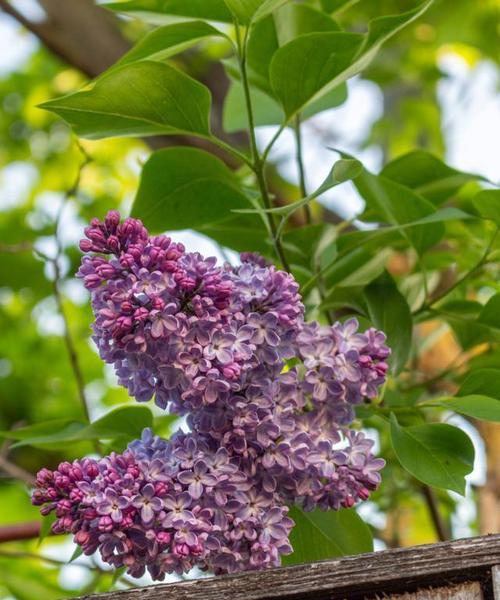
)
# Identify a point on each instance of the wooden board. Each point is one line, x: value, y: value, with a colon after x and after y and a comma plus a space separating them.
x: 496, y: 582
x: 357, y: 577
x: 462, y: 591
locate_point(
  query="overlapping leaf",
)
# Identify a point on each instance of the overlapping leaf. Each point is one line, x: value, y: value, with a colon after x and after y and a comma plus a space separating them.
x: 321, y: 61
x: 186, y: 187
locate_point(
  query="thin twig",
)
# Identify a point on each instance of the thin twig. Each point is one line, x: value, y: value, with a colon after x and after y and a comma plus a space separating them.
x: 20, y: 531
x: 16, y: 472
x: 68, y: 339
x: 56, y: 281
x: 437, y: 520
x: 15, y: 248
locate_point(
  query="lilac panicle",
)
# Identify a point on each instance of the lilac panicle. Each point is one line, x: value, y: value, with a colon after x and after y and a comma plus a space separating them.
x: 268, y: 397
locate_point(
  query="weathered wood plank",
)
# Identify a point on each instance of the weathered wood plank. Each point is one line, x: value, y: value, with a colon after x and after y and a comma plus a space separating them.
x: 462, y: 591
x: 496, y: 581
x: 356, y: 577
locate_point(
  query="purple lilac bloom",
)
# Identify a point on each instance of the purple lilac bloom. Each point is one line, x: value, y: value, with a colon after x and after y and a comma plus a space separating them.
x: 214, y: 343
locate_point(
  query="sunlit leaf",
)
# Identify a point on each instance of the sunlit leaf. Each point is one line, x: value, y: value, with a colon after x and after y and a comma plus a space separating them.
x: 166, y: 41
x: 247, y: 11
x: 143, y: 98
x: 159, y: 10
x: 487, y: 203
x: 311, y: 65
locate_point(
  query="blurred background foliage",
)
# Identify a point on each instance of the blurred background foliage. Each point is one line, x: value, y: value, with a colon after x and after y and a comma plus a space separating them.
x: 401, y: 103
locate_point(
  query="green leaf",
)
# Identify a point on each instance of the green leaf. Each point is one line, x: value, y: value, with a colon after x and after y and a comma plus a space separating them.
x: 490, y: 313
x: 243, y: 233
x: 311, y: 65
x: 46, y: 526
x: 319, y: 534
x: 159, y: 10
x: 27, y: 586
x: 78, y: 551
x: 166, y: 41
x: 427, y: 175
x: 487, y: 203
x: 389, y: 311
x: 343, y: 170
x: 463, y: 316
x: 484, y: 382
x: 247, y: 11
x: 284, y: 25
x: 476, y: 406
x: 143, y: 98
x: 437, y: 454
x: 267, y: 111
x: 127, y: 421
x: 185, y: 187
x: 335, y: 6
x: 124, y: 422
x: 399, y: 205
x: 47, y: 432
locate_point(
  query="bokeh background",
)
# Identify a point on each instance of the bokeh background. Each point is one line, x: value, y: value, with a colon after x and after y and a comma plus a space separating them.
x: 434, y: 86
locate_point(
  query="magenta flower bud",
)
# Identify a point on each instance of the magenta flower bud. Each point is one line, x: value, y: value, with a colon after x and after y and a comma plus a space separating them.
x: 81, y: 537
x: 163, y: 537
x: 112, y: 220
x: 106, y: 524
x: 86, y: 245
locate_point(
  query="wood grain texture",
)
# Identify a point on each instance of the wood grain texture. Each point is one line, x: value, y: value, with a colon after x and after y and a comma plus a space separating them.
x: 356, y: 577
x: 462, y: 591
x: 496, y: 582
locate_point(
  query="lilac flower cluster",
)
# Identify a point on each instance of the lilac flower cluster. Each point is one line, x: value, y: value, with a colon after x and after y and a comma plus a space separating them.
x: 268, y: 400
x: 166, y: 506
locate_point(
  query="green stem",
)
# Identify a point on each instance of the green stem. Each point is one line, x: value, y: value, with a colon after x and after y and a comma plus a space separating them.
x: 428, y: 305
x: 300, y: 165
x: 275, y: 137
x: 257, y: 162
x: 229, y: 149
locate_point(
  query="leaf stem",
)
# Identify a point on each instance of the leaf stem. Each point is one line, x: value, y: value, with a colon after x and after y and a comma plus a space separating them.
x: 428, y: 305
x: 257, y: 162
x: 300, y: 166
x: 228, y: 148
x: 274, y: 139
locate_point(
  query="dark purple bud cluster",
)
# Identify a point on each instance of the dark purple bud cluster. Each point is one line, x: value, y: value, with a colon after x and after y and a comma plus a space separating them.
x: 268, y: 399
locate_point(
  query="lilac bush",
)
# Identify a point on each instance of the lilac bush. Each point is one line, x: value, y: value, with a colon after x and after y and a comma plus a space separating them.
x: 268, y: 399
